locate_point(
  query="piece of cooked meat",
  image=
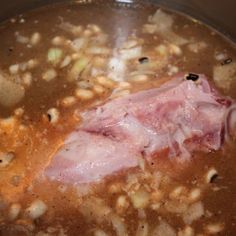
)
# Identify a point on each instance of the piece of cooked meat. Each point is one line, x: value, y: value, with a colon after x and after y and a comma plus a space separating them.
x: 180, y: 117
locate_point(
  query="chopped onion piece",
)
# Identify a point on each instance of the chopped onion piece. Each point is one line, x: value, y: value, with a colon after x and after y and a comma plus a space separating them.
x: 220, y: 56
x: 21, y: 39
x: 27, y: 79
x: 176, y: 207
x: 99, y: 232
x: 140, y: 198
x: 84, y: 84
x: 79, y: 43
x: 162, y: 20
x: 117, y: 66
x: 197, y: 47
x: 32, y: 63
x: 162, y: 50
x: 99, y: 50
x: 174, y: 49
x: 54, y: 55
x: 74, y: 29
x: 131, y: 53
x: 95, y: 208
x: 10, y: 92
x: 150, y: 28
x: 118, y: 225
x: 95, y: 28
x: 224, y: 75
x: 143, y: 229
x: 78, y: 67
x: 194, y: 212
x: 162, y: 23
x: 164, y: 229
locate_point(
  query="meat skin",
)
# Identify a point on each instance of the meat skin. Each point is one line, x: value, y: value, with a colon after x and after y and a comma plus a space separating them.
x: 180, y: 117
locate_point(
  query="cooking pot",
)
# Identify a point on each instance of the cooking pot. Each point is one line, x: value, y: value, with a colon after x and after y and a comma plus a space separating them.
x: 216, y: 13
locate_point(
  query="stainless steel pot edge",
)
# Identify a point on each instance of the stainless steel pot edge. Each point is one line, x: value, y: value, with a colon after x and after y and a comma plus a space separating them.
x: 218, y: 15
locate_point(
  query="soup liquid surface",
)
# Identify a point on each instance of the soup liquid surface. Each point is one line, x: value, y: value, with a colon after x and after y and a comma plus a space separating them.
x: 56, y: 55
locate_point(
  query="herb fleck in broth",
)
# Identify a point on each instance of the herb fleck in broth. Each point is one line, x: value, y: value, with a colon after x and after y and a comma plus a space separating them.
x: 88, y: 54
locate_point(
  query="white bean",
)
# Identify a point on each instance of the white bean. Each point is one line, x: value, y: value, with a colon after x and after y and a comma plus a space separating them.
x: 99, y: 89
x: 84, y: 94
x: 164, y: 229
x: 27, y: 79
x: 36, y: 209
x: 174, y: 49
x: 176, y: 207
x: 173, y: 70
x: 68, y: 101
x: 155, y: 206
x: 211, y: 174
x: 118, y: 225
x: 143, y: 229
x: 99, y: 232
x: 161, y: 49
x: 187, y: 231
x: 53, y: 115
x: 49, y: 75
x: 32, y: 63
x: 14, y: 211
x: 67, y: 60
x: 94, y: 28
x: 14, y: 69
x: 139, y: 78
x: 35, y: 38
x: 194, y: 195
x: 21, y: 39
x: 194, y: 212
x: 140, y: 198
x: 6, y: 159
x: 58, y: 41
x: 121, y: 204
x: 120, y: 93
x: 106, y: 82
x: 214, y: 228
x: 87, y: 33
x: 177, y: 192
x: 19, y: 112
x: 124, y: 85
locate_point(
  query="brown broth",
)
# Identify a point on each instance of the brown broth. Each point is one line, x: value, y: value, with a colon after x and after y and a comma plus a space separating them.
x: 34, y: 139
